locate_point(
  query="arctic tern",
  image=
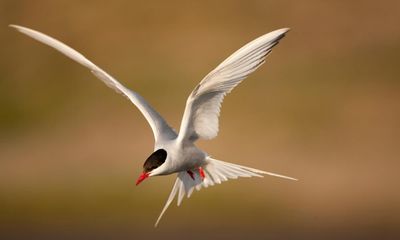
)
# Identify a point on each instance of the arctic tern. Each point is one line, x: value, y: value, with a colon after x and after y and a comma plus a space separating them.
x: 177, y: 152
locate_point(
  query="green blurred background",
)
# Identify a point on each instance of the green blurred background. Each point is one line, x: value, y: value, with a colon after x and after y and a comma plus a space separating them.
x: 324, y: 109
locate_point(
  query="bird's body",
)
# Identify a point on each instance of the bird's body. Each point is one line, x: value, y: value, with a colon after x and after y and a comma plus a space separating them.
x: 177, y: 153
x: 180, y: 157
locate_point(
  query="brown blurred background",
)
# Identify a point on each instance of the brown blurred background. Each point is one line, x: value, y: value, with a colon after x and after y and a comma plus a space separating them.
x: 324, y: 109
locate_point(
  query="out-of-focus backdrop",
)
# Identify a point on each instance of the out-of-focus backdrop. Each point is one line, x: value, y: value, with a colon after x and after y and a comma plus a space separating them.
x: 324, y: 109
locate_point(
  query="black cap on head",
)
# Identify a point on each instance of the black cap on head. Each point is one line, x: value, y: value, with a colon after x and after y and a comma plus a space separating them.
x: 155, y: 160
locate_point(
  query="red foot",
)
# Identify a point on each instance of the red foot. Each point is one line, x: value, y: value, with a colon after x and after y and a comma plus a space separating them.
x: 190, y: 174
x: 202, y: 174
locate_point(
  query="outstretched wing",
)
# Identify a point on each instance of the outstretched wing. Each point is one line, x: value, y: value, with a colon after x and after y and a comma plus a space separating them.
x: 160, y: 128
x: 200, y: 119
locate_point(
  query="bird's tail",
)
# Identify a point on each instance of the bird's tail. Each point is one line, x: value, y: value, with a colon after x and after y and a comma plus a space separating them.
x: 214, y: 172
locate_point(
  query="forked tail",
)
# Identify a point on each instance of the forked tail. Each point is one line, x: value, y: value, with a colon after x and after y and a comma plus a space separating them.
x: 215, y: 172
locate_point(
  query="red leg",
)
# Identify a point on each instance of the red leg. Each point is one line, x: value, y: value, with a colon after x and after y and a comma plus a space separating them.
x: 190, y: 174
x: 202, y: 174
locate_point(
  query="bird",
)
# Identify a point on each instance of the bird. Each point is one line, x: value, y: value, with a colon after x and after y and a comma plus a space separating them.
x: 176, y: 152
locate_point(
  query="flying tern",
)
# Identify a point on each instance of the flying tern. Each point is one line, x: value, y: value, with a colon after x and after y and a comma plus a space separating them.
x: 177, y: 152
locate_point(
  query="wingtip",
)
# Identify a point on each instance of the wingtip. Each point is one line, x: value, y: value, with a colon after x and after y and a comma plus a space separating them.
x: 283, y: 30
x: 17, y: 27
x: 277, y: 34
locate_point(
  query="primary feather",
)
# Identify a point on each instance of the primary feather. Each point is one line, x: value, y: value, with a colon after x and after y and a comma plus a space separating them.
x: 200, y: 119
x: 160, y: 128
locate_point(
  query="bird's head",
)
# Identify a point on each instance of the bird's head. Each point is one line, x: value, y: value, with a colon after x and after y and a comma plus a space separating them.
x: 155, y: 160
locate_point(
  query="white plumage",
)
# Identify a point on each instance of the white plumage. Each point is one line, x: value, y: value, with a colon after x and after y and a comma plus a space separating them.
x: 195, y: 168
x: 200, y: 119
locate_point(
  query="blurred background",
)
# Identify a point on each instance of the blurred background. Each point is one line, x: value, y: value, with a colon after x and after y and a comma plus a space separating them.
x: 324, y: 109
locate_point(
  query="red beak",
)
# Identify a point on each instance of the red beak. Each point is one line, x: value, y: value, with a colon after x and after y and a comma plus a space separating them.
x: 142, y: 177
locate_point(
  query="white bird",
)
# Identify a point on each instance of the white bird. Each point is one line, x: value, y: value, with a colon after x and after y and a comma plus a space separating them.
x: 177, y: 153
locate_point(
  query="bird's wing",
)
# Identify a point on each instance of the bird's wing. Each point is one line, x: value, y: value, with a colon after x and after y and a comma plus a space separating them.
x: 160, y: 128
x: 200, y: 119
x: 215, y: 172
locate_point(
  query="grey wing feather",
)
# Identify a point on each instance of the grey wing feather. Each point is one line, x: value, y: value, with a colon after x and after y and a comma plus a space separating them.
x: 200, y: 119
x: 161, y: 129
